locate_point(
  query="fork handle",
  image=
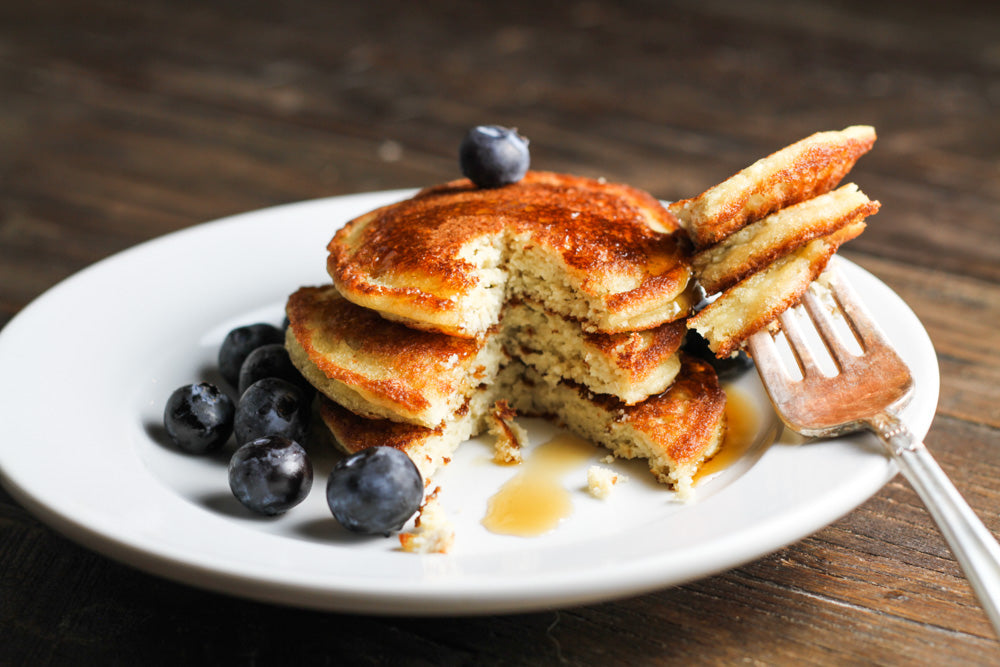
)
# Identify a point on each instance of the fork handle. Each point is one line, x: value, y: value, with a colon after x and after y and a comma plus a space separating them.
x: 972, y: 543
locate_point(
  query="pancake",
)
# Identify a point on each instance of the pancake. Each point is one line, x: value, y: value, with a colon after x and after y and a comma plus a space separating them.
x: 758, y: 244
x: 755, y: 302
x: 379, y: 368
x: 446, y: 260
x: 674, y: 431
x: 798, y: 172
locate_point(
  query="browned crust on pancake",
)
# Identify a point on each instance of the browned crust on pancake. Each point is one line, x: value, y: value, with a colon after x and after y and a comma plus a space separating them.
x: 826, y: 222
x: 818, y: 252
x: 795, y: 173
x: 354, y: 433
x: 405, y: 356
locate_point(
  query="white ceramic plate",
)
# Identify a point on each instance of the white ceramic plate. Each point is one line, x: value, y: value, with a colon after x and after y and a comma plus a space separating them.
x: 86, y: 368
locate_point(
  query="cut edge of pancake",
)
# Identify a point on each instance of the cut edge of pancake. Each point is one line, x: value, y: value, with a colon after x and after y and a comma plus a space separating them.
x: 629, y: 366
x: 674, y: 432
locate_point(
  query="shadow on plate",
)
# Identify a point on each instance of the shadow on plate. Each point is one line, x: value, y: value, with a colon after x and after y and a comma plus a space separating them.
x: 158, y: 434
x: 330, y: 531
x: 225, y: 503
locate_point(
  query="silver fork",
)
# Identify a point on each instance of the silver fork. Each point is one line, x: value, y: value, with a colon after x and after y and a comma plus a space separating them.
x: 867, y: 392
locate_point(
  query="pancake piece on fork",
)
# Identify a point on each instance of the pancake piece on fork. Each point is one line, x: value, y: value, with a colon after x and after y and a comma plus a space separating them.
x: 766, y: 233
x: 798, y: 172
x: 756, y: 302
x: 763, y: 241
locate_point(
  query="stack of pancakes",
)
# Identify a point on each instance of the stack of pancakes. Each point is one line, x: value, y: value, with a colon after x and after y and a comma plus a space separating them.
x: 569, y: 298
x: 558, y: 296
x: 767, y: 232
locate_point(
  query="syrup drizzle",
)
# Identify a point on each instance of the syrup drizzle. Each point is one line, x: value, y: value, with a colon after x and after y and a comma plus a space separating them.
x: 741, y: 432
x: 534, y: 501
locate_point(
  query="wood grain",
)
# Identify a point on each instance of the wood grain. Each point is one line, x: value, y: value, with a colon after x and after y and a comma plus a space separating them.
x: 121, y: 122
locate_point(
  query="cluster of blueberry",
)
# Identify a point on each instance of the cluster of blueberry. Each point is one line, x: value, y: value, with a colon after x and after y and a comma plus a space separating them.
x: 374, y: 491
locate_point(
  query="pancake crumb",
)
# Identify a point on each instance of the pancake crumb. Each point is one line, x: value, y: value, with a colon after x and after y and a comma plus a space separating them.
x: 510, y: 436
x: 432, y: 531
x: 601, y: 481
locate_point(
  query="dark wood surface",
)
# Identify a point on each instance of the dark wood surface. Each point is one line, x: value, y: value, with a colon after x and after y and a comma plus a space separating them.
x: 121, y: 121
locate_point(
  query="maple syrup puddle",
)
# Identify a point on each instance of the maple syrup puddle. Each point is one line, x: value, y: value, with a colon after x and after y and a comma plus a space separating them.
x: 534, y: 501
x: 741, y: 432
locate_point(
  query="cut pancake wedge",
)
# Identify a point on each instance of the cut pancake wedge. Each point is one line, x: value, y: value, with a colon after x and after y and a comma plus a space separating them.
x: 793, y: 174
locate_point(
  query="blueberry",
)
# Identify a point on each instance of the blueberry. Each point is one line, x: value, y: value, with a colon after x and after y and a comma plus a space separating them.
x: 271, y: 361
x: 375, y: 490
x: 491, y: 156
x: 198, y: 417
x: 240, y: 342
x: 728, y: 368
x: 271, y: 406
x: 270, y: 475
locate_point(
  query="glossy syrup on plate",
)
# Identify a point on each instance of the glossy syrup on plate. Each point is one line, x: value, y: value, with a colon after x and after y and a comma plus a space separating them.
x: 742, y: 423
x: 534, y: 501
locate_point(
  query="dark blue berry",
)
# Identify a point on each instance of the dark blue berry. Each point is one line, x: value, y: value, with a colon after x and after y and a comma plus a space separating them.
x: 375, y: 491
x: 270, y: 475
x: 198, y: 417
x: 728, y: 368
x: 271, y: 406
x: 491, y: 156
x: 271, y: 361
x: 240, y: 342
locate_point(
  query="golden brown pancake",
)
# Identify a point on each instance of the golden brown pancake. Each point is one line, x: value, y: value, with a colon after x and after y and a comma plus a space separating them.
x: 757, y: 245
x: 674, y: 431
x: 757, y: 301
x: 793, y: 174
x: 380, y: 368
x: 449, y: 258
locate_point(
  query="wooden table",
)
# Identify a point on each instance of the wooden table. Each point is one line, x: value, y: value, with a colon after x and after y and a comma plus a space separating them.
x: 120, y: 122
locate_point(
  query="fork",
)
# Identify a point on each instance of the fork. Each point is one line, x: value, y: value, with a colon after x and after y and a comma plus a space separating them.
x: 867, y: 392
